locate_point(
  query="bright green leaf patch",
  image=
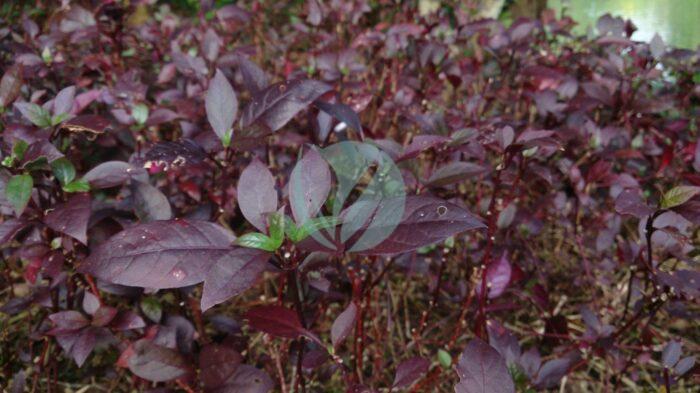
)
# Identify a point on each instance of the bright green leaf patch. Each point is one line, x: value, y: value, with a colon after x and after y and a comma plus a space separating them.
x: 18, y: 192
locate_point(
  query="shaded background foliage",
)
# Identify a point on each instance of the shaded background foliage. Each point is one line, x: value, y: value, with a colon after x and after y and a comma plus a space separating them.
x: 128, y: 130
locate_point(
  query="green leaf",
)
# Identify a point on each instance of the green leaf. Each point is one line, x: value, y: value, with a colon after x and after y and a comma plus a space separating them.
x: 36, y: 114
x: 298, y: 233
x: 77, y: 186
x: 63, y: 170
x: 140, y: 113
x: 257, y: 240
x: 226, y: 139
x: 678, y: 196
x: 58, y: 119
x: 19, y: 149
x: 18, y: 192
x: 293, y: 232
x: 276, y: 223
x: 152, y: 309
x: 444, y: 358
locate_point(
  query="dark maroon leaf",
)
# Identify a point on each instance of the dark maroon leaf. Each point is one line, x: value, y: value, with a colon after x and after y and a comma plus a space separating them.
x: 156, y: 363
x: 342, y: 113
x: 10, y: 228
x: 426, y: 220
x: 127, y: 320
x: 276, y: 320
x: 248, y: 379
x: 256, y: 194
x: 160, y: 254
x: 280, y: 102
x: 41, y: 149
x: 232, y: 274
x: 176, y: 154
x: 218, y: 363
x: 421, y: 143
x: 72, y: 217
x: 342, y: 326
x: 114, y: 173
x: 409, y: 371
x: 10, y: 85
x: 481, y: 369
x: 454, y: 172
x: 89, y: 124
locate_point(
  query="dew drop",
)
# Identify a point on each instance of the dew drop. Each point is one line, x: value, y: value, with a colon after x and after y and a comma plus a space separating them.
x: 179, y: 274
x: 441, y: 210
x: 282, y: 88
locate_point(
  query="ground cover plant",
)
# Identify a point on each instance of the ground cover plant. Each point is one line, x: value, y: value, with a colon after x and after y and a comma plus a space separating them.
x: 349, y: 195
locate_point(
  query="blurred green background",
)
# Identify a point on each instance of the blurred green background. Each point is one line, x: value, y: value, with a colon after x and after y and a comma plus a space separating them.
x: 676, y: 21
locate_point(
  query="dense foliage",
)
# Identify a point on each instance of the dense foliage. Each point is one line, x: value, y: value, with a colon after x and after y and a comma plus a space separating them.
x: 161, y: 180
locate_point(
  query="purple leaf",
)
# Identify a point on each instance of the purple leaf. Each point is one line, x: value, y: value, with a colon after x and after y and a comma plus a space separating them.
x: 671, y: 354
x: 211, y: 44
x: 343, y: 325
x: 217, y: 364
x: 160, y: 254
x: 552, y: 372
x: 78, y: 345
x: 630, y: 202
x: 232, y: 274
x: 657, y: 46
x: 309, y: 185
x: 276, y: 320
x: 684, y: 365
x: 114, y: 173
x: 156, y: 363
x: 481, y: 369
x: 63, y: 103
x: 150, y: 204
x: 280, y: 102
x: 248, y: 379
x: 90, y: 303
x: 222, y: 106
x: 409, y: 371
x: 256, y: 194
x: 426, y: 220
x: 67, y: 321
x: 454, y: 172
x: 103, y: 316
x: 72, y: 217
x: 254, y: 78
x: 497, y: 277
